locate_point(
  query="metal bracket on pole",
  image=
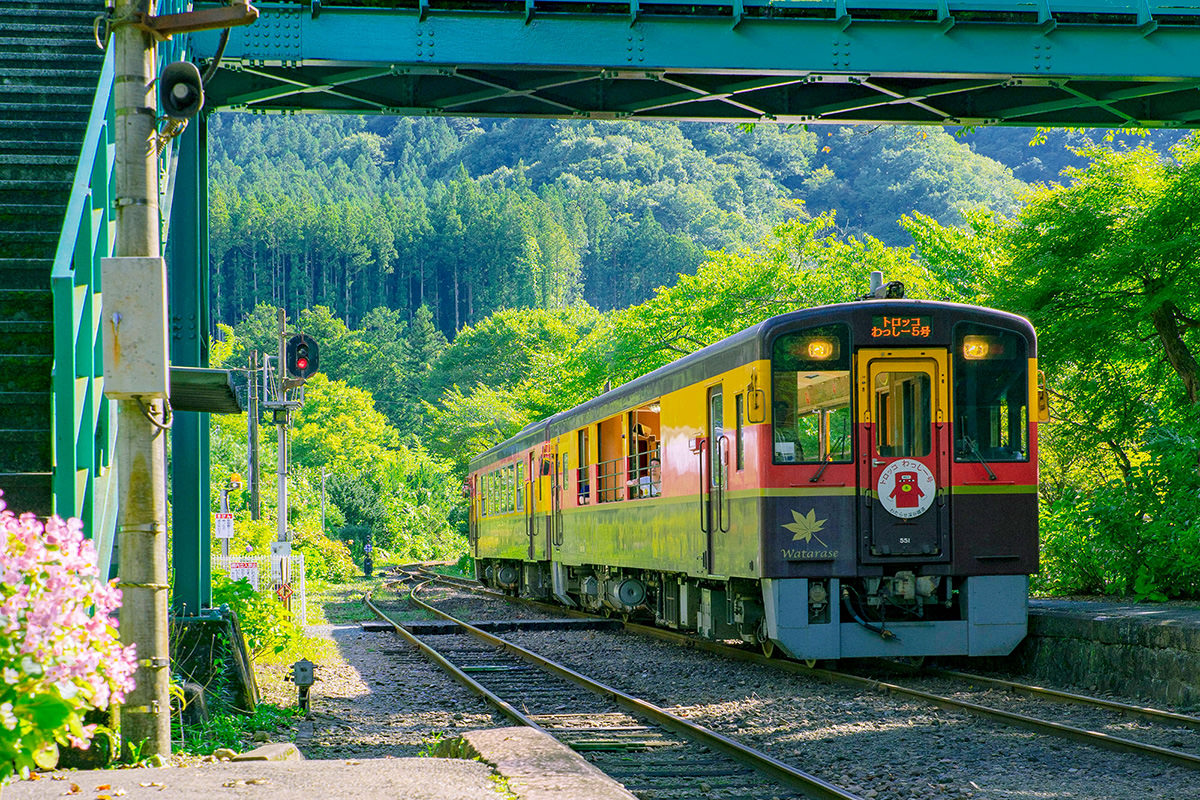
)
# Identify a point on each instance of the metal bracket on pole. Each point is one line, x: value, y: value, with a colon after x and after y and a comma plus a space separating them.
x: 208, y: 19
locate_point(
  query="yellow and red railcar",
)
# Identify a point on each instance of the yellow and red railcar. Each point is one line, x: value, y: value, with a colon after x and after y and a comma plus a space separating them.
x: 855, y: 480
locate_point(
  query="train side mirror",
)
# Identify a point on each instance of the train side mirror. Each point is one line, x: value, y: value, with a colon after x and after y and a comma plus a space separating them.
x: 756, y: 407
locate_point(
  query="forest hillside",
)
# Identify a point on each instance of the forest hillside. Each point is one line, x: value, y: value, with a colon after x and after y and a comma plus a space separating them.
x: 467, y: 277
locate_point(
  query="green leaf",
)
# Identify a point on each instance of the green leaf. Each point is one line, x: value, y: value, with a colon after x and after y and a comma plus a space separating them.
x: 49, y: 712
x: 46, y: 756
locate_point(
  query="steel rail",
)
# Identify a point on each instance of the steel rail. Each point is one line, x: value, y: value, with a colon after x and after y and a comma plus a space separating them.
x: 1062, y: 730
x: 466, y: 680
x: 1145, y: 712
x: 803, y: 782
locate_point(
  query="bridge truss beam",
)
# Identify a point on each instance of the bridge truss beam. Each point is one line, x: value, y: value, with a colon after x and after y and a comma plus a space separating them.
x: 1001, y: 62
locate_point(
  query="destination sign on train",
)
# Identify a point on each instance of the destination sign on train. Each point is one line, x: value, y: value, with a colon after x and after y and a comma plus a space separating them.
x: 886, y: 326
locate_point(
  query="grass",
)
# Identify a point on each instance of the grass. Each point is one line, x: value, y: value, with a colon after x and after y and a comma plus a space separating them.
x: 236, y: 731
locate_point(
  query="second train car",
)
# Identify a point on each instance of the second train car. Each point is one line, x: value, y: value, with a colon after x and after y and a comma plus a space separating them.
x: 854, y: 480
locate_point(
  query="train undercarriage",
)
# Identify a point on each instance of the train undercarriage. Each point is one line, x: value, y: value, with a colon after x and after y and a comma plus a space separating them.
x: 797, y: 614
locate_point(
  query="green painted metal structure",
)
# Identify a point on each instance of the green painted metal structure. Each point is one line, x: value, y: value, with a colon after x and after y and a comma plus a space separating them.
x: 1102, y: 63
x: 84, y: 479
x: 187, y: 251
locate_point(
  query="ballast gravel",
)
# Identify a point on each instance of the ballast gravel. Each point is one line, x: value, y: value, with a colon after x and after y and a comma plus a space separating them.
x: 878, y: 746
x: 872, y: 744
x: 381, y: 698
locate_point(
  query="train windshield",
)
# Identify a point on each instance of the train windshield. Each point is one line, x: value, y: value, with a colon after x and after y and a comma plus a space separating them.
x: 810, y: 390
x: 991, y: 394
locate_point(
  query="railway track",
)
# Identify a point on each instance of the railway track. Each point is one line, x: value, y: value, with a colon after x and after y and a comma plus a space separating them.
x: 653, y: 753
x: 1153, y: 733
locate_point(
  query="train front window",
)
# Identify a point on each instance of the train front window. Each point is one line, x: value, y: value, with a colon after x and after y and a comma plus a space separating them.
x: 902, y: 414
x: 991, y: 394
x: 810, y: 390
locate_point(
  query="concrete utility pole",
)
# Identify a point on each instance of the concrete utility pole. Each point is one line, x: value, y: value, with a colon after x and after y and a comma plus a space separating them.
x: 282, y: 537
x: 252, y: 433
x: 141, y: 434
x: 281, y: 461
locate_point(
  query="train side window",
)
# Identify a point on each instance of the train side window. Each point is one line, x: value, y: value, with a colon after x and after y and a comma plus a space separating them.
x: 643, y: 478
x: 810, y: 390
x: 520, y: 487
x: 610, y: 460
x: 583, y: 488
x: 991, y: 394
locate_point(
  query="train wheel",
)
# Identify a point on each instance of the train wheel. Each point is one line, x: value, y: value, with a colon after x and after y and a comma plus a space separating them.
x: 768, y: 648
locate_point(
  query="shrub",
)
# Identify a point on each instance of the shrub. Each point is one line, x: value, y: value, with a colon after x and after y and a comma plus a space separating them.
x: 324, y: 558
x: 1135, y: 535
x: 265, y: 623
x: 60, y: 655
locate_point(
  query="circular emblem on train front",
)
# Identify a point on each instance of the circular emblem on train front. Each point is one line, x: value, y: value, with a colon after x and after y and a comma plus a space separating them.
x: 906, y: 488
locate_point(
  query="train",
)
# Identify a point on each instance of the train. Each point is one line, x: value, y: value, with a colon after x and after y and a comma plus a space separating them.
x: 856, y: 480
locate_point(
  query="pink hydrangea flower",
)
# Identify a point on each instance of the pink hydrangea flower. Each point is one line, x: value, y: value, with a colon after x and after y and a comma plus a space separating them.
x: 58, y: 637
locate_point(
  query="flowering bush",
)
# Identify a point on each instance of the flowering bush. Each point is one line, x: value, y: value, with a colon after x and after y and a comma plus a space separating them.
x: 60, y: 655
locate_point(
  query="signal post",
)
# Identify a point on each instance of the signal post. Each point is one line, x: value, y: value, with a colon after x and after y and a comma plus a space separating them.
x: 283, y: 391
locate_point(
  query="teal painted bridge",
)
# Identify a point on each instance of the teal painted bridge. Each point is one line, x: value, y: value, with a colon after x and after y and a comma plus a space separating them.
x: 1099, y: 63
x: 1096, y: 63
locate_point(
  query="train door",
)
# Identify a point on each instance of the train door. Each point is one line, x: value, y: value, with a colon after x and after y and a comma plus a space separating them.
x: 714, y: 516
x: 473, y: 514
x: 530, y: 532
x: 545, y: 496
x: 561, y: 482
x: 903, y: 399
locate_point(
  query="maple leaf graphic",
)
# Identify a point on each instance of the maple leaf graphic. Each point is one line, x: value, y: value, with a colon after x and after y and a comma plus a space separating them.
x: 806, y: 527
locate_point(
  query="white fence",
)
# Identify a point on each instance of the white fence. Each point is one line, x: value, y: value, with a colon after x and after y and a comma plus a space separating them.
x: 253, y: 568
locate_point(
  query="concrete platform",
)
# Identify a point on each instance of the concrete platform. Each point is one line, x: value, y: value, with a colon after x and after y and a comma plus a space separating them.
x: 481, y: 765
x: 1146, y: 650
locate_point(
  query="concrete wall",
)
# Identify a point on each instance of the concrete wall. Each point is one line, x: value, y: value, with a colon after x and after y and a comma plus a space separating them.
x: 1148, y: 652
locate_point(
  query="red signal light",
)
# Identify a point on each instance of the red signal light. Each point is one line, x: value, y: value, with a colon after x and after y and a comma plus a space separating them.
x: 301, y: 357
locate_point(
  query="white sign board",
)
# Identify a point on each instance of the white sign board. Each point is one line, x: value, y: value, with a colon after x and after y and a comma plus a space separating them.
x: 244, y: 569
x: 906, y: 488
x: 224, y: 529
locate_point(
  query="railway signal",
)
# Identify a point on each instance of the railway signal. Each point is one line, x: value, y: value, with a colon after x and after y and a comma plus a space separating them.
x: 301, y: 356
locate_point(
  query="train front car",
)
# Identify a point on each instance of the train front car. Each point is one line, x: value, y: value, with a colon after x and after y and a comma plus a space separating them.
x: 899, y: 499
x: 857, y: 480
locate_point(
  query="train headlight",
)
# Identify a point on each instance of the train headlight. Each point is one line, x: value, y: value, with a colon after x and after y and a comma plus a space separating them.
x: 820, y: 349
x: 976, y: 348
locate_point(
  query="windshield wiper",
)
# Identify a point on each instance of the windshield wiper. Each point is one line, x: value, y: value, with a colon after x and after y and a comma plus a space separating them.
x: 824, y: 464
x: 975, y: 451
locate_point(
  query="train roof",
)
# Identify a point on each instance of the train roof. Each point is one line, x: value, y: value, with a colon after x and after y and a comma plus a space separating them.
x: 742, y: 347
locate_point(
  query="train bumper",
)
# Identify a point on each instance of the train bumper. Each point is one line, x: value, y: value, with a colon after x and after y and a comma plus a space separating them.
x: 996, y: 610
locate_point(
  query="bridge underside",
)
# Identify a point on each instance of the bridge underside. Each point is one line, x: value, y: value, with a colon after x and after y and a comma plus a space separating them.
x: 710, y: 96
x: 1098, y: 64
